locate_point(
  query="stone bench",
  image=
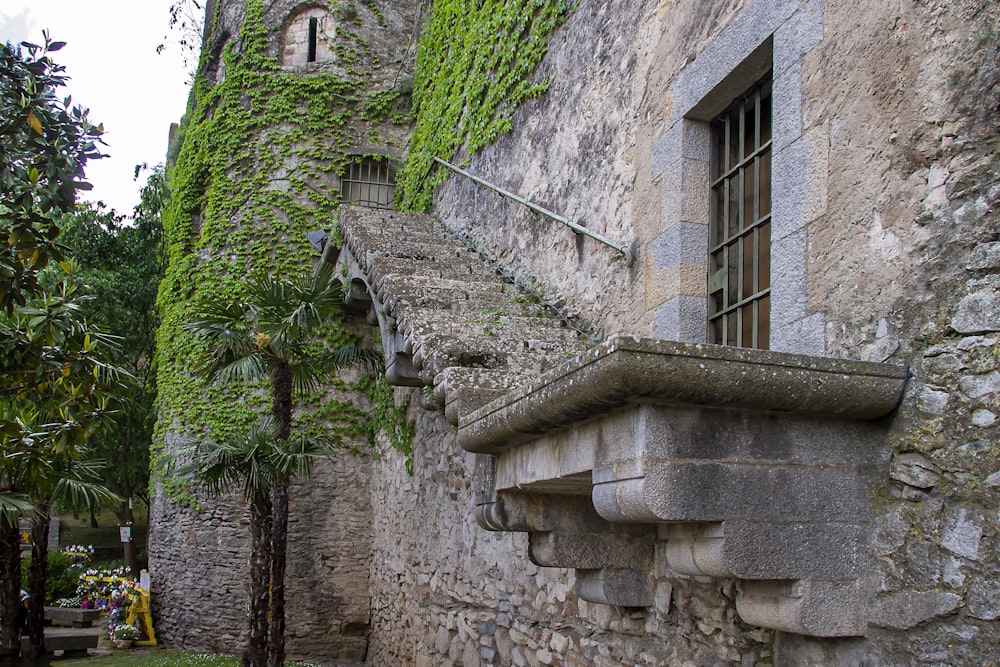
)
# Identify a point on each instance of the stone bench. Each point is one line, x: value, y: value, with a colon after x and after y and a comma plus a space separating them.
x: 70, y: 641
x: 72, y: 616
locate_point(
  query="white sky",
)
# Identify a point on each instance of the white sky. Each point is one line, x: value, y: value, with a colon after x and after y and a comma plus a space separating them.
x: 110, y: 57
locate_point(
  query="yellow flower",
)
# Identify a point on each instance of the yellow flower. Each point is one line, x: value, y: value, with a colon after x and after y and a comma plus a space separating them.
x: 261, y: 340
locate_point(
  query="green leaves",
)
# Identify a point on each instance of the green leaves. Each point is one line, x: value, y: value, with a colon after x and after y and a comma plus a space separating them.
x: 475, y: 64
x: 44, y: 146
x: 252, y: 462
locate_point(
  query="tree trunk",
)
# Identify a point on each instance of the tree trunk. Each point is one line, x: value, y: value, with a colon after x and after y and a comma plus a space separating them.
x: 36, y: 582
x: 281, y: 412
x: 10, y: 589
x: 126, y: 517
x: 279, y: 543
x: 281, y: 400
x: 255, y: 652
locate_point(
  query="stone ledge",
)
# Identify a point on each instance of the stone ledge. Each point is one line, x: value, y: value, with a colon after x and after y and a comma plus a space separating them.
x: 627, y: 369
x: 750, y: 465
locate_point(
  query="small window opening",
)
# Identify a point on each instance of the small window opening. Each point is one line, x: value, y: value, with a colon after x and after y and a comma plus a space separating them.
x: 369, y: 182
x: 739, y: 274
x: 313, y: 31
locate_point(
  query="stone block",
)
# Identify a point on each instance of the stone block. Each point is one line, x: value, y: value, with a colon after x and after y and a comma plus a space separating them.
x: 682, y: 243
x: 906, y: 609
x: 915, y: 469
x: 732, y: 47
x: 682, y: 319
x: 590, y: 551
x: 805, y: 336
x: 786, y: 91
x: 685, y: 138
x: 978, y: 313
x: 789, y: 181
x: 799, y: 35
x: 809, y: 607
x: 700, y: 492
x: 616, y: 587
x: 788, y: 283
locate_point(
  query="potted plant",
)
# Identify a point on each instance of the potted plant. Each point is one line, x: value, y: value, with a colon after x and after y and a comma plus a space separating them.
x: 123, y: 635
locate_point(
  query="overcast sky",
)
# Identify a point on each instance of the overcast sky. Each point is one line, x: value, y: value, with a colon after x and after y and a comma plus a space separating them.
x: 115, y: 71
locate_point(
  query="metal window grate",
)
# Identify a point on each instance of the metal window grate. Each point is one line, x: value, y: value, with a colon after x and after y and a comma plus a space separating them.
x: 369, y: 182
x: 739, y: 274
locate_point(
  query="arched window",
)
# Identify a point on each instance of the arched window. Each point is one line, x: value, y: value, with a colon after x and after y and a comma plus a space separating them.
x: 368, y: 182
x: 307, y: 38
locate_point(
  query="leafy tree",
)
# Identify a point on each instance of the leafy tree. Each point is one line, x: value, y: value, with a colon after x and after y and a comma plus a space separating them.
x: 44, y: 145
x: 53, y: 375
x: 269, y: 336
x: 122, y: 263
x: 53, y: 397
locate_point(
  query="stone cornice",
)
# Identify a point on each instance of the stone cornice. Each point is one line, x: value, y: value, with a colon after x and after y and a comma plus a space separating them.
x: 629, y: 370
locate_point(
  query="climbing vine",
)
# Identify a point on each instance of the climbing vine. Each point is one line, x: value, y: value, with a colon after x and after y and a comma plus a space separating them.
x: 252, y: 173
x: 475, y: 66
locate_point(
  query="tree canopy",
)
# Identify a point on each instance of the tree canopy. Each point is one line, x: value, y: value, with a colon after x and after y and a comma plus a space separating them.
x: 45, y: 142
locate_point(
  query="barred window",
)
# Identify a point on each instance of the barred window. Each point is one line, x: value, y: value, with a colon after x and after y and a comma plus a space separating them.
x: 369, y: 182
x: 739, y: 273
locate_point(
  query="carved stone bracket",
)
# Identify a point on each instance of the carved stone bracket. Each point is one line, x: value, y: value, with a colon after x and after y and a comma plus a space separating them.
x: 741, y: 464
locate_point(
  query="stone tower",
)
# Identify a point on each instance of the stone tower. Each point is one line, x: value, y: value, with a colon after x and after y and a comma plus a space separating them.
x: 297, y: 106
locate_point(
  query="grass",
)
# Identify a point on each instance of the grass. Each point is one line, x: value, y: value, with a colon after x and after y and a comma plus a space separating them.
x: 106, y: 539
x: 154, y: 657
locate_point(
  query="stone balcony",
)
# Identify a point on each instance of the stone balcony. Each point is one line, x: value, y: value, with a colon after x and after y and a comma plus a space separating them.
x: 731, y: 463
x: 636, y: 457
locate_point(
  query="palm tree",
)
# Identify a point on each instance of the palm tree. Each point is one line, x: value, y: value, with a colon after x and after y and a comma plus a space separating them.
x: 270, y: 336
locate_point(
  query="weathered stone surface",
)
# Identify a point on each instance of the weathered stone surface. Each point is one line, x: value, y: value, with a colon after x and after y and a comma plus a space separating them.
x: 915, y: 470
x: 903, y: 610
x: 983, y: 600
x: 888, y: 125
x: 962, y: 534
x: 977, y: 313
x: 983, y: 418
x: 626, y: 369
x: 932, y: 401
x: 985, y: 256
x: 977, y: 386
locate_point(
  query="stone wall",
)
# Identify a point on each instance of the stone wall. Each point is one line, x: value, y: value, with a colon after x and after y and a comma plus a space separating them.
x: 899, y: 261
x: 899, y: 118
x: 199, y: 563
x: 199, y: 557
x: 446, y: 592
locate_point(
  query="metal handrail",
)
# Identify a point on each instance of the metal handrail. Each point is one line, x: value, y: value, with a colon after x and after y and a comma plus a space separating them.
x: 629, y: 257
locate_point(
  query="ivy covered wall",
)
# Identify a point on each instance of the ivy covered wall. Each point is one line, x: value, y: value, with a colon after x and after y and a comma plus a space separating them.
x: 256, y: 165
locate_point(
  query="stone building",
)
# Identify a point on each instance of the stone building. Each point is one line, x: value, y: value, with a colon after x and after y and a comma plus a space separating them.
x: 749, y: 417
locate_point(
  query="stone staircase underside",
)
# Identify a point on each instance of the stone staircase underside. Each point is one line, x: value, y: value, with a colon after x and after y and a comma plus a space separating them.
x: 732, y: 463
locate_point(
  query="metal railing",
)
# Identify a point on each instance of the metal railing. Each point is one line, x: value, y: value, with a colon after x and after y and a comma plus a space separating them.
x: 629, y: 257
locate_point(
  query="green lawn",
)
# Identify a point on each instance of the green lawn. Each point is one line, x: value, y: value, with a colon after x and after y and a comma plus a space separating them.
x: 154, y: 657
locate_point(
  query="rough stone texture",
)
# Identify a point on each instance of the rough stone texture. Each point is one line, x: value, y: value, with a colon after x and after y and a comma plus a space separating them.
x: 441, y: 585
x: 900, y: 261
x: 897, y: 125
x: 198, y: 562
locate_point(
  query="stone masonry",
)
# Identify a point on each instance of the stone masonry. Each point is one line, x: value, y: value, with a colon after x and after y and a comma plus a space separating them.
x: 886, y: 260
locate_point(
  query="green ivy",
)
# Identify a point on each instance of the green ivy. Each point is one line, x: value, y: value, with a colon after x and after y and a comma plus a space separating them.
x: 475, y: 66
x: 253, y: 157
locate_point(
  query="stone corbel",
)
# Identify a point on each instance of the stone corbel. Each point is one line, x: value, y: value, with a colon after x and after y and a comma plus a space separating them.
x: 360, y: 296
x: 748, y: 465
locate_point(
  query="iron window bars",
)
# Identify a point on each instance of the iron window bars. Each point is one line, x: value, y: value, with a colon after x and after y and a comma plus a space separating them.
x: 739, y: 272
